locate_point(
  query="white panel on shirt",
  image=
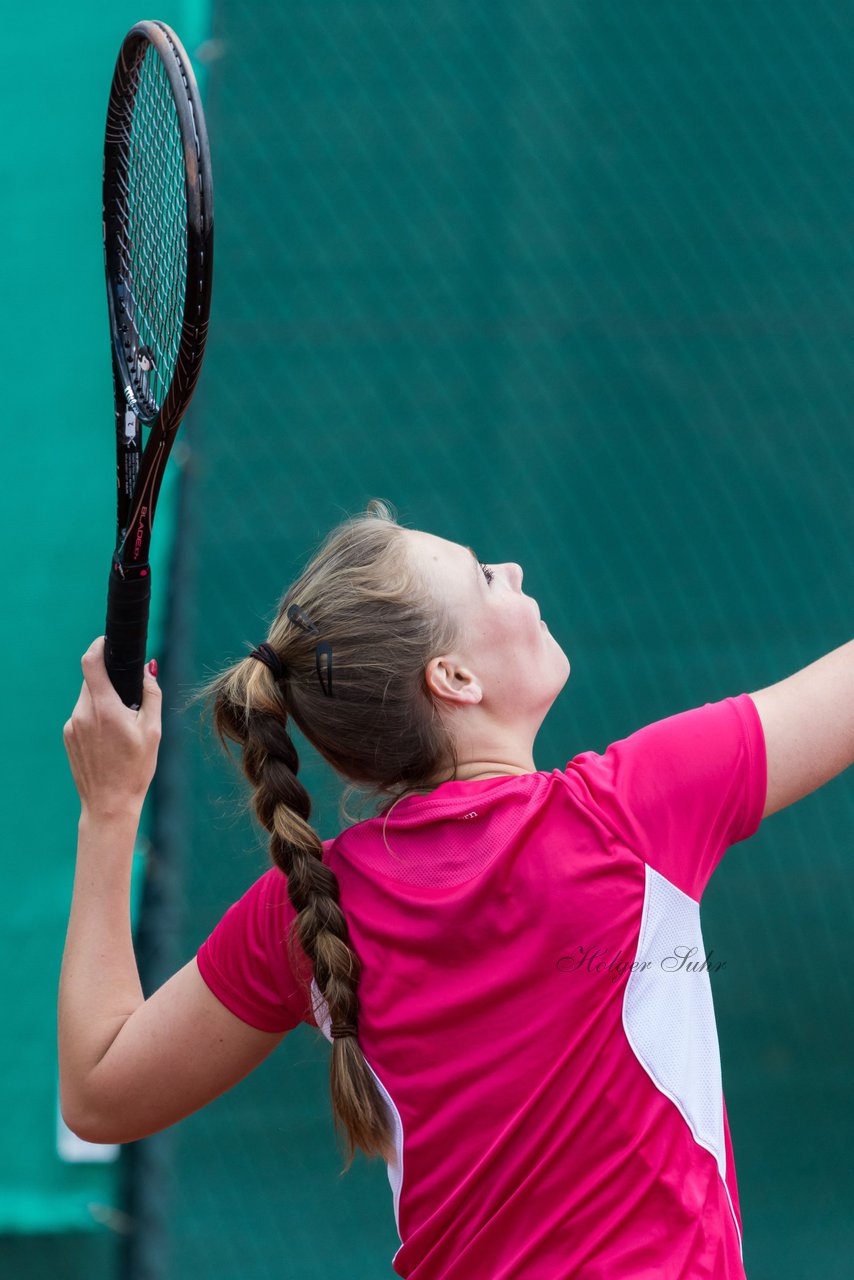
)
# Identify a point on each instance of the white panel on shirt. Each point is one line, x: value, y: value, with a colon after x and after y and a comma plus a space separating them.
x: 668, y: 1014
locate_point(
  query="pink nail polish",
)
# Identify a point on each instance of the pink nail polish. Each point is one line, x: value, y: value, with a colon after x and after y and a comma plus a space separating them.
x: 152, y: 666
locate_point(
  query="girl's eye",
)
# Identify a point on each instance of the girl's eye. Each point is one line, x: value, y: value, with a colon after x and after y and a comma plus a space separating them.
x: 487, y: 572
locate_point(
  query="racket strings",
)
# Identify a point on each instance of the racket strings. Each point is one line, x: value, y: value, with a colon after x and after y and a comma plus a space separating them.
x: 153, y: 236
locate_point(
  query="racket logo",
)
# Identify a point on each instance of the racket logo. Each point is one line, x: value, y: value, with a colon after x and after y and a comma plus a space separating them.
x: 140, y: 530
x: 132, y: 400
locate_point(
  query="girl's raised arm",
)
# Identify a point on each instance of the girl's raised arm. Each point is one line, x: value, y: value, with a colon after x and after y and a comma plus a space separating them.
x: 129, y: 1066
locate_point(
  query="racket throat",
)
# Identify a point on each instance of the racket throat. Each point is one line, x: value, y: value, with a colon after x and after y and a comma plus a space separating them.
x: 130, y: 572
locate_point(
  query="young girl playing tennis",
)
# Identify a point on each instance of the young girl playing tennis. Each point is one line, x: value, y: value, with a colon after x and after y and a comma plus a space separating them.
x: 508, y: 962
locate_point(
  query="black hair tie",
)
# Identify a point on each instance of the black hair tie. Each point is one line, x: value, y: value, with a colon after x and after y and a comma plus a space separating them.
x: 340, y: 1030
x: 322, y: 651
x: 267, y: 654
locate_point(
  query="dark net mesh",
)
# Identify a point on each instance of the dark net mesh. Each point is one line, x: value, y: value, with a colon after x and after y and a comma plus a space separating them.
x: 571, y: 283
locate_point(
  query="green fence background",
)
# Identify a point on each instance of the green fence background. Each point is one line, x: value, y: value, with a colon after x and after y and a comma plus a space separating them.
x: 65, y: 1218
x: 568, y: 282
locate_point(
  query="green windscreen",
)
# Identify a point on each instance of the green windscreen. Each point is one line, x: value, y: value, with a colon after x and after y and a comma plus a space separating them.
x: 64, y: 1205
x: 570, y: 283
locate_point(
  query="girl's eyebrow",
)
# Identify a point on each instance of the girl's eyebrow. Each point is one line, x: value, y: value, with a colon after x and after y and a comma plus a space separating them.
x: 476, y: 561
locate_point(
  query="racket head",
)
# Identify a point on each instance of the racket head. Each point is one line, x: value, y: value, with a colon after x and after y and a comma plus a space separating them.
x: 158, y: 225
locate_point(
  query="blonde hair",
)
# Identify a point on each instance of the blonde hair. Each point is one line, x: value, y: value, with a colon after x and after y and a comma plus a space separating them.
x: 379, y: 729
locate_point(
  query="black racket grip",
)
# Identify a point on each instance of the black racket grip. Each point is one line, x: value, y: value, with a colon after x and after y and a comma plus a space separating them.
x: 128, y: 600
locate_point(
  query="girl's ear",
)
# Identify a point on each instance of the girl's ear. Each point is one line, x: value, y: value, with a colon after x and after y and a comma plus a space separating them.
x: 450, y: 681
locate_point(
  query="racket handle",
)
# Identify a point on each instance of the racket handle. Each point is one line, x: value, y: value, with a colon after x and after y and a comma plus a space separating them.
x: 128, y: 599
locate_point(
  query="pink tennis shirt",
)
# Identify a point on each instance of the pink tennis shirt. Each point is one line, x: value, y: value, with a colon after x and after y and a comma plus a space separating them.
x: 536, y: 1005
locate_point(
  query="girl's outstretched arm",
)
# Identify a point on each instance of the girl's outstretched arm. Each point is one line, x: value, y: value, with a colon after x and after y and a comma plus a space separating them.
x: 129, y: 1066
x: 808, y: 722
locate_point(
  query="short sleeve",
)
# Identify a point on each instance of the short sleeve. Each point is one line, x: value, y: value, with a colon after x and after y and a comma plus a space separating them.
x: 680, y: 791
x: 245, y: 961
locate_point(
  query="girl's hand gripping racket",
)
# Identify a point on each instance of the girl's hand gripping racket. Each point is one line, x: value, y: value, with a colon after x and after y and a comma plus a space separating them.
x: 158, y: 253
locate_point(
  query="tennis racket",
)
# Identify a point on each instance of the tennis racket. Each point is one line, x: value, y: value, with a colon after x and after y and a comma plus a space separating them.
x: 158, y: 255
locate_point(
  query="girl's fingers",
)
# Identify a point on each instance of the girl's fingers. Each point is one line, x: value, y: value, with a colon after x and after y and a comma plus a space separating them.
x: 83, y: 705
x: 94, y: 670
x: 152, y: 698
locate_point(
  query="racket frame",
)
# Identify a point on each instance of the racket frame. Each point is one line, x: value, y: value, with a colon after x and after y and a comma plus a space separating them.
x: 139, y: 470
